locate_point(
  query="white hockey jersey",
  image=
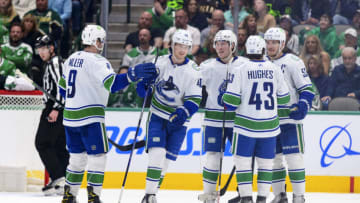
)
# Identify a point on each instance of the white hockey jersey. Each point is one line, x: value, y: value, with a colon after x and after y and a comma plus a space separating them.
x: 213, y: 73
x: 297, y: 81
x: 137, y: 56
x: 256, y: 90
x: 87, y: 79
x: 175, y: 85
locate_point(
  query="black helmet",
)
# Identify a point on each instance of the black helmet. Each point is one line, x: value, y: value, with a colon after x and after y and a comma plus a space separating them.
x: 43, y: 41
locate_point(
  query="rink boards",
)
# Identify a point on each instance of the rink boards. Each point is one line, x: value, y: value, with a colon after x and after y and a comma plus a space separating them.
x: 332, y: 151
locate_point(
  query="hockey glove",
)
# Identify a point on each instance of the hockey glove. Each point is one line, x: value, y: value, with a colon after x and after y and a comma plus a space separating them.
x: 179, y: 117
x: 145, y: 71
x: 141, y: 89
x: 299, y: 110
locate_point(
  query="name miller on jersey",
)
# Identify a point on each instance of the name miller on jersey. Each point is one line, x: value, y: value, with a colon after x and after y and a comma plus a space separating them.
x: 75, y: 62
x: 259, y: 74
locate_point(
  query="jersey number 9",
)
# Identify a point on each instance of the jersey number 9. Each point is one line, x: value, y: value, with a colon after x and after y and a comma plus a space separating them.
x: 71, y: 84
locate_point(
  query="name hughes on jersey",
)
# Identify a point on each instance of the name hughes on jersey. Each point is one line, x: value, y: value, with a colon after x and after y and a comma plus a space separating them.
x: 77, y: 63
x: 259, y: 74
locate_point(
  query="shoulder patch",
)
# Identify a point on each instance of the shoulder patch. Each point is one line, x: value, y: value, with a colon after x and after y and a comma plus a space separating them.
x: 295, y: 58
x: 195, y: 66
x: 98, y: 56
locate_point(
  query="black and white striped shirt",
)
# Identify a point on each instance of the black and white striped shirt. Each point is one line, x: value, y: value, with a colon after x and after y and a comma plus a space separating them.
x: 52, y: 75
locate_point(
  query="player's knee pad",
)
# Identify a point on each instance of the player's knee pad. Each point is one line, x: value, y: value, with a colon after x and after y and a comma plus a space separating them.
x: 264, y: 163
x: 78, y: 161
x: 278, y: 161
x: 213, y: 160
x: 295, y: 161
x: 97, y: 162
x: 242, y: 162
x: 156, y: 156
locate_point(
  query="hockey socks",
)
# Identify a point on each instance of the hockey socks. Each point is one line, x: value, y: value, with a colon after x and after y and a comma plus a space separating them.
x: 95, y: 174
x: 156, y: 161
x: 296, y: 170
x: 244, y: 175
x: 264, y: 178
x: 75, y: 171
x: 296, y: 173
x: 211, y: 171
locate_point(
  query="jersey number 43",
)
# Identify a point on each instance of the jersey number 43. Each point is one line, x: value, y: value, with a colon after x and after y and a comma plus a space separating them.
x: 255, y: 97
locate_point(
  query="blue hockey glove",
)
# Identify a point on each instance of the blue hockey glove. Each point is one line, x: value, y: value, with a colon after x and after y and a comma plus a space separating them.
x: 299, y: 110
x: 145, y: 71
x: 141, y: 89
x: 179, y: 117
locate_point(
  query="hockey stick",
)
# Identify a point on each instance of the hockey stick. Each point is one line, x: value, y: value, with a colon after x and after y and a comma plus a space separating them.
x: 139, y: 144
x: 223, y: 190
x: 136, y: 134
x: 222, y: 146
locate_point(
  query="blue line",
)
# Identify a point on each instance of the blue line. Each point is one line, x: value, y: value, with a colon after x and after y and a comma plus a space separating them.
x: 213, y: 171
x: 78, y: 172
x: 83, y: 118
x: 213, y: 183
x: 307, y: 85
x: 107, y: 77
x: 257, y: 119
x: 92, y: 105
x: 294, y: 170
x: 258, y: 130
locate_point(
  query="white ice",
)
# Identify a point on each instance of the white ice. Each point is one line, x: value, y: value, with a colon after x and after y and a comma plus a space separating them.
x: 164, y: 196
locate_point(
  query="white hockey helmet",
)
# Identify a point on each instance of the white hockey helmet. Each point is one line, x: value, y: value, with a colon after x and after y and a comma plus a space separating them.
x: 228, y: 36
x: 276, y: 33
x: 91, y: 34
x: 255, y: 45
x: 181, y: 36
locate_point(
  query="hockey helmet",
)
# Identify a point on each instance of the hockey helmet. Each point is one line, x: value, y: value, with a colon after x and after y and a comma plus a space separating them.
x: 43, y: 41
x: 91, y: 34
x: 276, y: 33
x: 181, y: 36
x: 255, y: 45
x: 228, y: 36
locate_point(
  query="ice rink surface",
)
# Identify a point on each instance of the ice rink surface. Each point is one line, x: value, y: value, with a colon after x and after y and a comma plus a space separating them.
x: 164, y: 196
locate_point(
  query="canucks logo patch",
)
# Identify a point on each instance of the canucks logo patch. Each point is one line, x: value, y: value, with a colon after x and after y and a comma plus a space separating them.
x: 167, y: 88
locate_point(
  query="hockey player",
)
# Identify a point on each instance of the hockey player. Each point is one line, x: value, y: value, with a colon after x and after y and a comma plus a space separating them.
x: 176, y: 98
x: 215, y: 76
x: 87, y: 80
x: 256, y: 90
x: 290, y: 142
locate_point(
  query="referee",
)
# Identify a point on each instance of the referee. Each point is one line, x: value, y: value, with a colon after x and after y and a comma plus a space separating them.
x: 50, y: 137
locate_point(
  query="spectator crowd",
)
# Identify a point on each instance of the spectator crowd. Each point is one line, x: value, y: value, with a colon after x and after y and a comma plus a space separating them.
x: 323, y: 33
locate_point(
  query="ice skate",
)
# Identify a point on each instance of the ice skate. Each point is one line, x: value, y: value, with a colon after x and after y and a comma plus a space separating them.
x: 246, y: 200
x: 55, y: 187
x: 260, y: 199
x: 149, y: 198
x: 68, y: 197
x: 298, y: 199
x: 92, y: 197
x: 280, y: 198
x: 208, y: 197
